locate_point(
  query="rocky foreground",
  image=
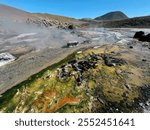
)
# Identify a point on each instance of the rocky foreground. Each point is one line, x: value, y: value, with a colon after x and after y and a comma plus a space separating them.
x: 104, y: 78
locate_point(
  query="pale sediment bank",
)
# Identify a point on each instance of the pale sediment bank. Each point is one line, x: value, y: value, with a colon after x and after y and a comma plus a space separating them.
x: 30, y: 64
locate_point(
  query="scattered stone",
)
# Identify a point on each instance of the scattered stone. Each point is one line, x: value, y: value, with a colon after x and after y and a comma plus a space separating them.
x: 78, y: 66
x: 71, y: 27
x: 125, y: 94
x: 127, y: 86
x: 147, y: 103
x: 117, y: 109
x: 48, y: 76
x: 112, y: 52
x: 87, y: 41
x: 118, y: 71
x: 79, y: 52
x: 144, y: 60
x: 111, y: 61
x: 131, y: 47
x: 96, y: 47
x: 142, y: 105
x: 72, y: 44
x: 100, y: 100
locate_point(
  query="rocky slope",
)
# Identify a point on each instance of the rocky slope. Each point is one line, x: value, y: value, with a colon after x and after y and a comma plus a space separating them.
x: 43, y: 20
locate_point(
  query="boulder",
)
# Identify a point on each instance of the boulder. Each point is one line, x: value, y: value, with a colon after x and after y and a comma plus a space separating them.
x: 138, y: 35
x: 71, y: 27
x: 72, y: 43
x: 141, y: 37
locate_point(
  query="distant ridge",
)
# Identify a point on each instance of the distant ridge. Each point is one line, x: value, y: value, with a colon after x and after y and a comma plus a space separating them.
x: 137, y: 22
x: 116, y: 15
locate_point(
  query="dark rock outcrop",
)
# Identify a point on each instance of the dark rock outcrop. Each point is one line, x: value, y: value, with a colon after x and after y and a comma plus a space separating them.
x: 141, y: 37
x: 138, y: 35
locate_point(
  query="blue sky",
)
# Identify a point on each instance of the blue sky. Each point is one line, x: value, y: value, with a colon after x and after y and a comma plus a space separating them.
x: 82, y: 8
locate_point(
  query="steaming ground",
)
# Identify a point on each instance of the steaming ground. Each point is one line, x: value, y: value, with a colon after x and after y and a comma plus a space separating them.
x: 27, y: 48
x: 22, y: 37
x: 37, y: 48
x: 33, y: 47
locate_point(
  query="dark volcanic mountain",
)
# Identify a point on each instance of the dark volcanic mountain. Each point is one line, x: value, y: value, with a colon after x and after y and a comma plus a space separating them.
x: 117, y: 15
